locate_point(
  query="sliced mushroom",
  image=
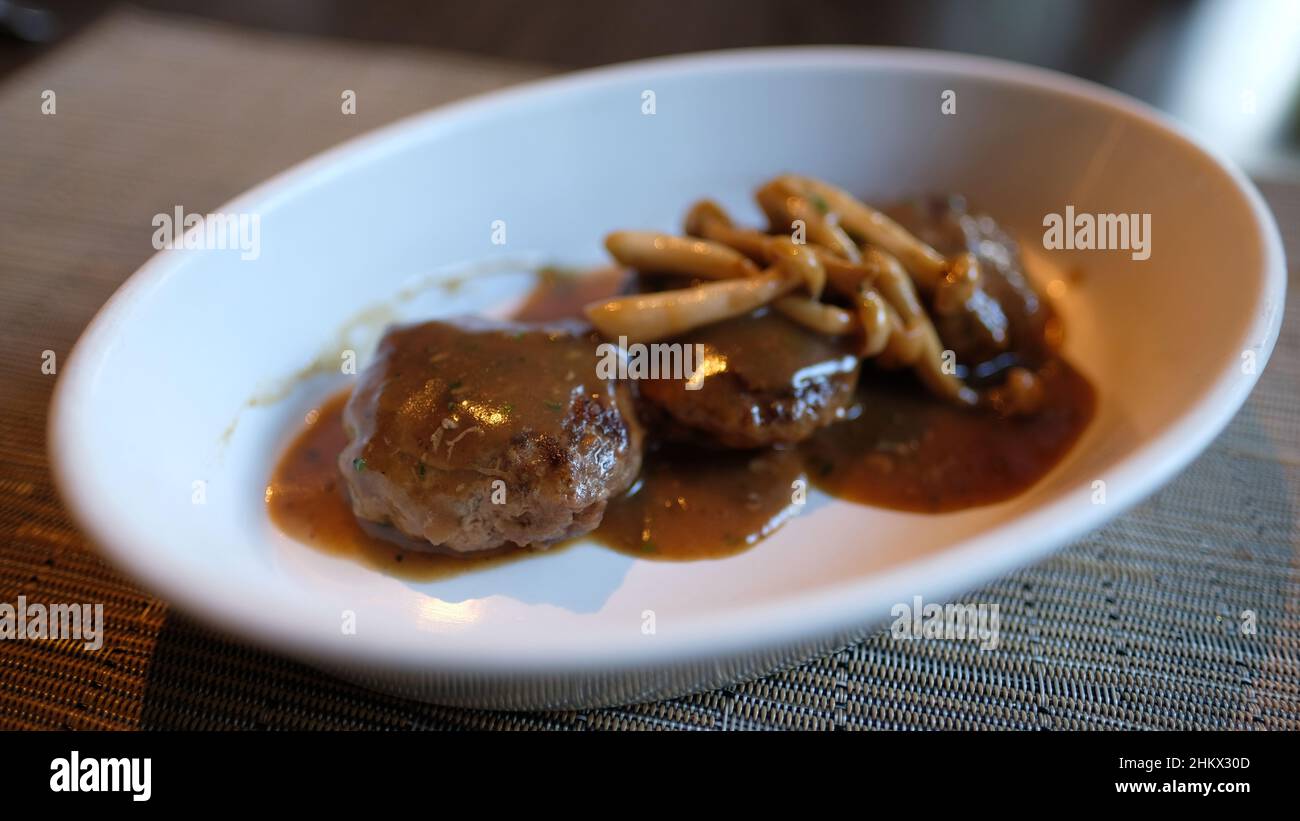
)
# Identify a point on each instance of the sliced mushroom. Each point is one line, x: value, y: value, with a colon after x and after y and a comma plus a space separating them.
x: 912, y: 340
x: 707, y: 219
x: 892, y: 281
x: 664, y: 314
x: 929, y: 368
x: 649, y: 251
x: 814, y: 315
x: 799, y: 261
x: 784, y: 205
x: 856, y: 217
x: 873, y: 314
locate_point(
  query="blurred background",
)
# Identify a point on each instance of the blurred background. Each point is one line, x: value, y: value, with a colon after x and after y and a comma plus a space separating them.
x: 1230, y: 69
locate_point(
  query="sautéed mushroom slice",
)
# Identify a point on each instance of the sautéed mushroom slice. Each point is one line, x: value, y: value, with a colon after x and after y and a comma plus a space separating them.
x: 739, y: 287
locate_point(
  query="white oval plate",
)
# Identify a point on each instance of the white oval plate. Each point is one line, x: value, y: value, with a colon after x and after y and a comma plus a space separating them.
x: 145, y: 407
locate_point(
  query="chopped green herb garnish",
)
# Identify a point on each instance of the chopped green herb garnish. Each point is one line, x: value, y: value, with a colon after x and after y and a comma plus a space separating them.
x: 507, y: 407
x: 454, y: 385
x: 648, y: 547
x: 555, y: 406
x: 358, y: 464
x: 819, y: 203
x: 419, y: 470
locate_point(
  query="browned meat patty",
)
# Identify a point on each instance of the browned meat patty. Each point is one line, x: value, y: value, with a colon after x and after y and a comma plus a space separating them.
x: 949, y: 227
x: 769, y: 381
x: 471, y: 435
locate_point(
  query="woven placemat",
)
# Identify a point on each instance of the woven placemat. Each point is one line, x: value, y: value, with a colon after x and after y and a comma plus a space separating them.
x: 1136, y: 626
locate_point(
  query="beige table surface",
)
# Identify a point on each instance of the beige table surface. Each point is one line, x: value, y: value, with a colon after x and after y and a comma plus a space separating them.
x: 1134, y: 626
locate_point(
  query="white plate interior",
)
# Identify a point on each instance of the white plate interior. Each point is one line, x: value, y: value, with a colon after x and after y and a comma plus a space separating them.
x: 147, y: 405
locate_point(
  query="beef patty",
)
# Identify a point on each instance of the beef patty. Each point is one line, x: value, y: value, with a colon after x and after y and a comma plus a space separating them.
x: 950, y: 228
x: 471, y: 434
x: 765, y: 380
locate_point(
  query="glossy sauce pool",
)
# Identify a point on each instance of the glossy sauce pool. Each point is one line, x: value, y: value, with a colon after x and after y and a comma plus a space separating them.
x: 902, y: 449
x: 899, y: 448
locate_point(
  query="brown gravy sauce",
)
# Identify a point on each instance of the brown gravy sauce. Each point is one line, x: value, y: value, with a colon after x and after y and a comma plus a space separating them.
x: 690, y: 504
x: 905, y: 450
x: 307, y: 501
x: 899, y: 449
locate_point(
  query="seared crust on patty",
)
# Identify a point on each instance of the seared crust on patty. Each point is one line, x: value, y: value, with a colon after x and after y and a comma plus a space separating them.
x: 471, y: 435
x: 766, y: 380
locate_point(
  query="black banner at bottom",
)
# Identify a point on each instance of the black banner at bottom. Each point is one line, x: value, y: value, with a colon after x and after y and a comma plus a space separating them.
x: 124, y: 771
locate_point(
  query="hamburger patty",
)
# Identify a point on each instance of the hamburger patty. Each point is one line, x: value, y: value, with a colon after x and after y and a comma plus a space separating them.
x: 765, y: 380
x: 947, y: 226
x: 470, y: 434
